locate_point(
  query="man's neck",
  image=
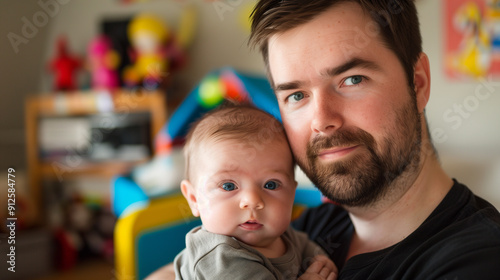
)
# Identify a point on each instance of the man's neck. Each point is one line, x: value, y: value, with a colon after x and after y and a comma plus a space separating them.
x: 401, y: 212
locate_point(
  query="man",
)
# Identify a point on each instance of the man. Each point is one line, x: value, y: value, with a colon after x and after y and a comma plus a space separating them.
x: 352, y: 84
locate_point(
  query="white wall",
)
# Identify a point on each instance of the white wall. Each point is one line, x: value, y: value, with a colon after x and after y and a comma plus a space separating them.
x: 470, y: 150
x: 19, y: 76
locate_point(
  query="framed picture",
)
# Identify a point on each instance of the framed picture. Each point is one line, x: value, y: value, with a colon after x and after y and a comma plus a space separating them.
x: 472, y: 34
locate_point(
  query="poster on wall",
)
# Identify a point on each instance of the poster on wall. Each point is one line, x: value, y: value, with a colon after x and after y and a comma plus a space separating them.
x: 472, y: 47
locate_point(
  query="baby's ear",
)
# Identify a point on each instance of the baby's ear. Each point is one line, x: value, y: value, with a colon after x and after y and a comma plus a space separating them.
x: 189, y: 193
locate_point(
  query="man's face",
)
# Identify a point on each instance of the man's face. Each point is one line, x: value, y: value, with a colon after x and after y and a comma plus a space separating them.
x: 351, y: 119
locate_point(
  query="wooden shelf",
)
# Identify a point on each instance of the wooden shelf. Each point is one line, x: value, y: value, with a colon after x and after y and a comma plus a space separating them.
x: 57, y: 170
x: 82, y: 103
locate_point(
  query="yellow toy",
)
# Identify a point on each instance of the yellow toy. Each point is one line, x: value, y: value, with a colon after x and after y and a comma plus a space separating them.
x: 154, y: 231
x: 157, y: 50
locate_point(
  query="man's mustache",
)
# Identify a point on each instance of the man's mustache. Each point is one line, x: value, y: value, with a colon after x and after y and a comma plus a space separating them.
x: 341, y: 138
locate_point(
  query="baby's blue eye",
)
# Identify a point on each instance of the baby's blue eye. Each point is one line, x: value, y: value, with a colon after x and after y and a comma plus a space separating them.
x: 271, y: 185
x: 229, y: 186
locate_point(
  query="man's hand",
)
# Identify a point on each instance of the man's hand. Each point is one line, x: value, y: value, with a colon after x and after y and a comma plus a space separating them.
x: 321, y: 268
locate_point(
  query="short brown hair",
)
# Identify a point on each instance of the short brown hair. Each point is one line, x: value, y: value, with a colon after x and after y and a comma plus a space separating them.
x: 241, y: 122
x: 397, y: 21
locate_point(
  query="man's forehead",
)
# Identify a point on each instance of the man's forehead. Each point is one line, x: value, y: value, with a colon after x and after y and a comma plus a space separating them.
x: 343, y: 18
x: 344, y: 32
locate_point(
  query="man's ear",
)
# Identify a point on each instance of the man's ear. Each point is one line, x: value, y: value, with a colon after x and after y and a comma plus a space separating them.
x: 422, y: 81
x: 189, y: 193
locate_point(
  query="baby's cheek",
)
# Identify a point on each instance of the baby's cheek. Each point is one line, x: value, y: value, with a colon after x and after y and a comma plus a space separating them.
x: 208, y: 203
x: 203, y: 206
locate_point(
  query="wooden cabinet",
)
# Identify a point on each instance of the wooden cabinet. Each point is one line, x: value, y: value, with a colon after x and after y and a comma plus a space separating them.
x: 80, y: 104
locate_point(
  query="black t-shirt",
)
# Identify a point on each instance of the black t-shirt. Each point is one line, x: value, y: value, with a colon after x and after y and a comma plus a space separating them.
x: 459, y: 240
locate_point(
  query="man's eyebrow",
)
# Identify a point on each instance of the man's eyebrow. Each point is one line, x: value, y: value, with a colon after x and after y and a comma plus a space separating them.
x: 335, y: 71
x: 288, y: 86
x: 353, y: 63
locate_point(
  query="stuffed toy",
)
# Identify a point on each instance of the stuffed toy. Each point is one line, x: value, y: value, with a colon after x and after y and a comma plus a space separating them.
x: 103, y: 61
x: 64, y: 66
x: 157, y: 50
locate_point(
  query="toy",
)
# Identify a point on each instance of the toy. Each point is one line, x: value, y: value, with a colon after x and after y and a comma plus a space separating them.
x: 64, y: 66
x: 147, y: 35
x: 157, y: 51
x: 103, y: 61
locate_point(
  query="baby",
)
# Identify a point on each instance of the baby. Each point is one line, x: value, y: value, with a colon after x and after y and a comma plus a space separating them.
x: 240, y: 182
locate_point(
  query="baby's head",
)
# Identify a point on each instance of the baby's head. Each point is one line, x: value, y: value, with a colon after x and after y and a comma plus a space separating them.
x: 240, y: 174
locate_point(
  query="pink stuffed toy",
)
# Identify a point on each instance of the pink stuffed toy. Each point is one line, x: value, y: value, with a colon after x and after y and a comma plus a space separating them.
x: 103, y: 62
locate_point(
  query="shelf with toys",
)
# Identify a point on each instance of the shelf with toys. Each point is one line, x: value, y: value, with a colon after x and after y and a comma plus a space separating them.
x: 121, y: 105
x: 110, y: 126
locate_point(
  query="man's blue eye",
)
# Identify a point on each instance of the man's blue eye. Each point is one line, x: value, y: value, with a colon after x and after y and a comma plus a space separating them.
x: 297, y: 96
x: 229, y: 186
x: 271, y: 185
x: 354, y: 80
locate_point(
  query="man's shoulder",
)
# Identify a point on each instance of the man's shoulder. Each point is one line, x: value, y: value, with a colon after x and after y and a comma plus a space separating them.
x: 477, y: 226
x: 467, y: 249
x: 477, y: 230
x: 471, y: 214
x: 461, y: 240
x: 463, y: 221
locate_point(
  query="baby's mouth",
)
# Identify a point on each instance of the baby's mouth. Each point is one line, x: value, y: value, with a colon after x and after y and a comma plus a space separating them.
x: 251, y: 225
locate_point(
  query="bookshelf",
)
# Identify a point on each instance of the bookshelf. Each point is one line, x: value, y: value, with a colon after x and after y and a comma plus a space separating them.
x: 81, y: 104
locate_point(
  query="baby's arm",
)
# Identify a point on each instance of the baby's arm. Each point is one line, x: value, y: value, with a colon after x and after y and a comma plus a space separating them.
x: 321, y: 268
x: 319, y: 265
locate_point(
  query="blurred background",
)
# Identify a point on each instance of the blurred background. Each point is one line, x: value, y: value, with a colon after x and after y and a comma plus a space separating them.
x: 71, y: 69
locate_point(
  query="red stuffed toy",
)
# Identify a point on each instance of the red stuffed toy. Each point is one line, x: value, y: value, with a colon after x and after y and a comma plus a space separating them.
x: 64, y: 66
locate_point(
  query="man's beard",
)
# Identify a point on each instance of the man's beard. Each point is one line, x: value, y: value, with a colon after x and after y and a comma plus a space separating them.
x: 366, y: 176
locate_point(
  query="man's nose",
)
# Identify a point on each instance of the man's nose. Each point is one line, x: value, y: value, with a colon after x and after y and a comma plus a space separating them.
x: 251, y: 199
x: 327, y: 115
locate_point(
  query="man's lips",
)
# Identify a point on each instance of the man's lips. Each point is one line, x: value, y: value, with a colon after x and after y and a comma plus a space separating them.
x: 251, y: 225
x: 337, y: 152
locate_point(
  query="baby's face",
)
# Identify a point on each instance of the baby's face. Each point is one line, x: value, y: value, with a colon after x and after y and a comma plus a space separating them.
x: 245, y: 190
